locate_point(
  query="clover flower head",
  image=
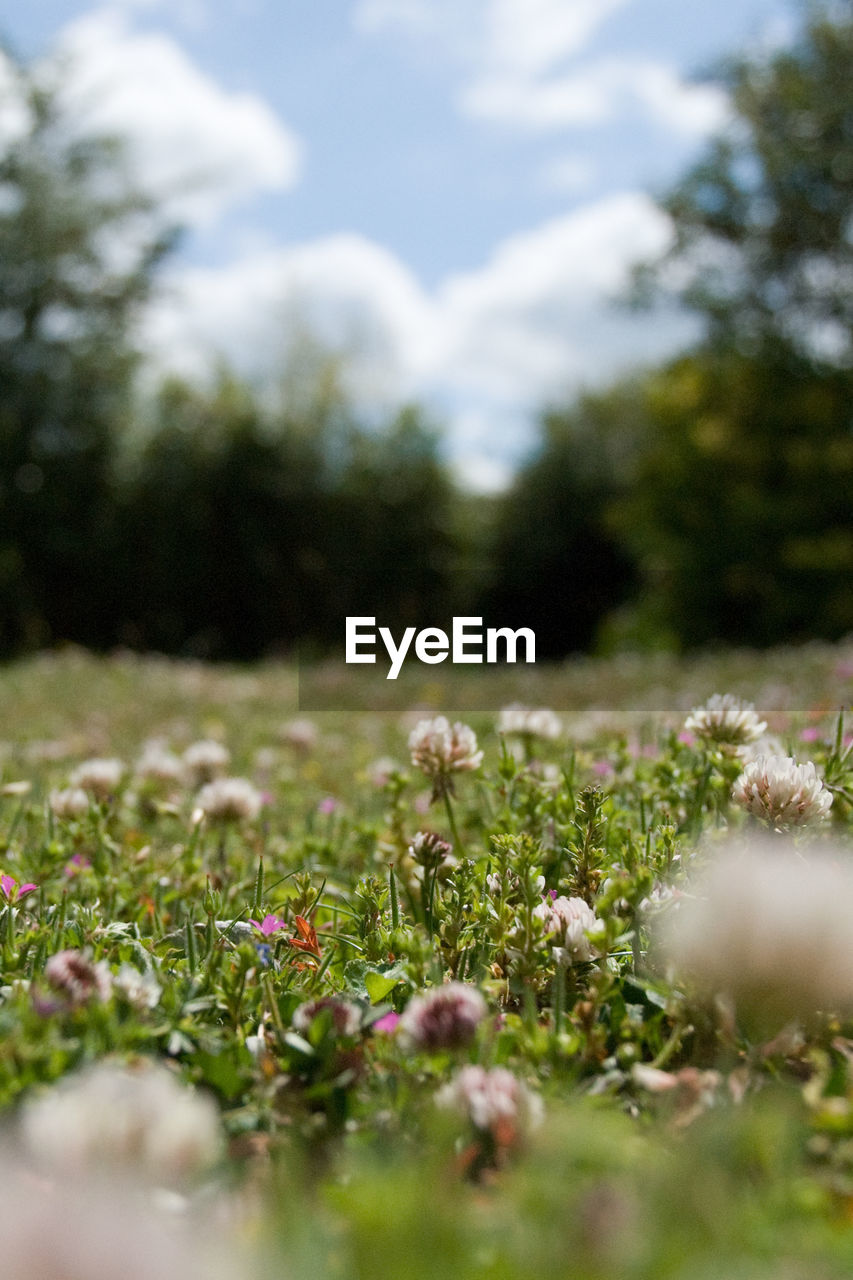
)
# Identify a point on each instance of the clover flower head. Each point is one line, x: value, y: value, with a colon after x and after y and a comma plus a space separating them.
x: 68, y: 803
x: 569, y: 921
x: 75, y: 977
x: 495, y: 1101
x: 726, y: 720
x: 440, y: 749
x: 521, y: 721
x: 768, y: 928
x: 781, y: 792
x: 100, y: 778
x: 141, y: 1120
x: 229, y: 800
x: 140, y: 990
x: 299, y: 734
x: 429, y: 850
x: 156, y: 764
x: 205, y: 760
x: 444, y: 1017
x: 346, y: 1016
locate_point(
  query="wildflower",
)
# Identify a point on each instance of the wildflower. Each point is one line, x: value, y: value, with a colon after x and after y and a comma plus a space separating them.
x: 387, y: 1023
x: 381, y: 771
x: 100, y: 778
x: 440, y: 750
x: 229, y: 800
x: 142, y: 1120
x: 770, y: 930
x: 444, y: 1017
x: 782, y: 792
x: 495, y: 1101
x: 203, y: 761
x: 140, y: 990
x: 328, y: 805
x: 726, y: 720
x: 429, y: 850
x: 569, y: 921
x: 70, y: 802
x: 524, y: 722
x: 299, y: 734
x: 157, y: 765
x: 270, y: 924
x: 12, y: 891
x: 346, y: 1016
x: 76, y: 863
x: 75, y: 977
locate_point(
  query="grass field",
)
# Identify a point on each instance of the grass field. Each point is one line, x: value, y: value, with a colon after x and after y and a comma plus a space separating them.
x: 354, y: 992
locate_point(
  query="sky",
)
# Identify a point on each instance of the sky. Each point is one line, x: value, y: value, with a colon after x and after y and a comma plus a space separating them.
x: 448, y: 193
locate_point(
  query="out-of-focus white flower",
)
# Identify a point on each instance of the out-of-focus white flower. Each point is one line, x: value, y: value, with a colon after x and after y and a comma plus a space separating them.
x: 569, y: 921
x: 380, y: 772
x: 444, y: 1017
x: 229, y: 800
x: 140, y: 1121
x: 495, y: 1101
x: 782, y: 792
x: 75, y: 977
x: 769, y: 929
x: 69, y: 802
x: 81, y: 1228
x: 100, y: 778
x: 441, y: 749
x: 726, y: 720
x: 527, y: 722
x: 345, y: 1015
x: 142, y: 990
x: 157, y: 764
x: 299, y: 734
x: 205, y: 760
x: 766, y: 745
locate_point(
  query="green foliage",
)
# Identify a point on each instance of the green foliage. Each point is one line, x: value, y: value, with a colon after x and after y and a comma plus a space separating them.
x: 78, y: 245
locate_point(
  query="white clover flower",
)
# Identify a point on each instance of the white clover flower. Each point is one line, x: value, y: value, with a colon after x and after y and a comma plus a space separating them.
x: 141, y: 990
x: 299, y: 734
x: 782, y: 792
x: 440, y: 750
x: 157, y: 764
x: 229, y: 800
x: 346, y: 1016
x: 100, y: 778
x: 205, y: 760
x: 569, y: 921
x: 494, y: 1100
x: 726, y: 720
x: 429, y: 850
x: 522, y: 721
x: 138, y: 1120
x: 82, y: 1227
x: 444, y: 1017
x: 769, y: 929
x: 70, y: 802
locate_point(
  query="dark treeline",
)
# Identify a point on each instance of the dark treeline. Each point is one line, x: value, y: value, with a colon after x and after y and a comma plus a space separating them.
x: 710, y: 500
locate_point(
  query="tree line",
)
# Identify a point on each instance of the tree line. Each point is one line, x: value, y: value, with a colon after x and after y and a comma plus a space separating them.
x: 705, y: 501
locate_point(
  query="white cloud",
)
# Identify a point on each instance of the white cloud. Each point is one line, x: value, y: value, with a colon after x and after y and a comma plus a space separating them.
x: 192, y: 144
x: 486, y: 349
x: 594, y: 93
x: 568, y: 174
x: 525, y: 64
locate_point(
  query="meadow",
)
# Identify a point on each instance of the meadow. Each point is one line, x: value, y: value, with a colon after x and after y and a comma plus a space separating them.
x: 560, y: 984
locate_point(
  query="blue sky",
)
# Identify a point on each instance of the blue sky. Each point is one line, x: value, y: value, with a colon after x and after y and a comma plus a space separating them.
x: 447, y: 193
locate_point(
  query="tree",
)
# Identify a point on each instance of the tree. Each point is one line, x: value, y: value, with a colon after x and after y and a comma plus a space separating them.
x: 78, y: 246
x: 764, y: 222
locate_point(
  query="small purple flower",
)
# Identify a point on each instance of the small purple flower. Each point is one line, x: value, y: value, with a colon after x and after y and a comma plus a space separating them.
x: 12, y: 891
x: 264, y: 951
x: 811, y: 733
x: 269, y: 924
x: 327, y: 805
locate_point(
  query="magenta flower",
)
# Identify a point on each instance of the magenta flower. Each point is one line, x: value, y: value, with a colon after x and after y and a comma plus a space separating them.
x: 388, y: 1023
x: 269, y: 924
x: 12, y: 891
x: 328, y: 805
